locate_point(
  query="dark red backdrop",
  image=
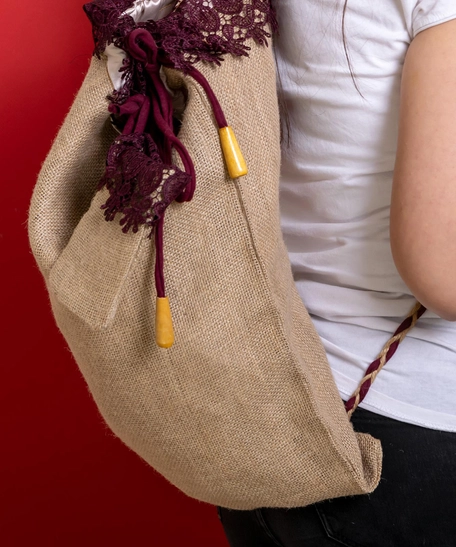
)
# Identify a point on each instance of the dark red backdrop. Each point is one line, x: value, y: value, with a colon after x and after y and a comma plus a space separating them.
x: 65, y: 481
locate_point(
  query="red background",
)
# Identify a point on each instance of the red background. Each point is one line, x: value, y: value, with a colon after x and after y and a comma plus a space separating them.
x: 64, y: 479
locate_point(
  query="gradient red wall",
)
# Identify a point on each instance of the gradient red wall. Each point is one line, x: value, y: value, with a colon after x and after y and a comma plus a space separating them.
x: 64, y: 479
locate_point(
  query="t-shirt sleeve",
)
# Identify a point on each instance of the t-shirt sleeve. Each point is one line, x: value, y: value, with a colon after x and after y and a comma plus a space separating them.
x: 428, y: 13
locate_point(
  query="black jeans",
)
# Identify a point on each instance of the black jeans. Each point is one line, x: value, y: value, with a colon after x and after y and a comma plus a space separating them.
x: 414, y: 504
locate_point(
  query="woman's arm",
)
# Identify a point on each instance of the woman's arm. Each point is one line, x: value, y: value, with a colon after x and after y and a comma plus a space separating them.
x: 423, y: 204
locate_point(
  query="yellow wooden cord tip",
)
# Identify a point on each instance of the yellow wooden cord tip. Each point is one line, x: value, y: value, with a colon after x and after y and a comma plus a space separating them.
x: 234, y: 159
x: 164, y: 332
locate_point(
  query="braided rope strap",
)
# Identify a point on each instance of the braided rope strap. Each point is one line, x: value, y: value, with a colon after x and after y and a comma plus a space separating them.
x: 385, y: 355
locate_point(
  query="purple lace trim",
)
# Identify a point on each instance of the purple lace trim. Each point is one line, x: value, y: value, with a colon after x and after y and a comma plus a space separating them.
x: 197, y: 30
x: 141, y: 186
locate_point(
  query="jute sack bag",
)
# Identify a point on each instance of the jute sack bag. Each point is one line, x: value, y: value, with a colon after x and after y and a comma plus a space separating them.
x: 241, y: 410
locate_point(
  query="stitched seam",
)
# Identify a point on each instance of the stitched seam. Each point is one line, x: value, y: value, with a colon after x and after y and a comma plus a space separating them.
x: 261, y: 273
x: 340, y: 539
x: 265, y: 527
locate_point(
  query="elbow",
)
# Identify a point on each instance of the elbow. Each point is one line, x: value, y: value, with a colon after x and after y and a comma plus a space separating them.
x: 440, y: 307
x: 431, y: 277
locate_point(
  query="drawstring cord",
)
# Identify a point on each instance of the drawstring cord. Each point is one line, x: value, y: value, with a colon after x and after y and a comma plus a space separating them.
x: 157, y: 108
x: 385, y: 355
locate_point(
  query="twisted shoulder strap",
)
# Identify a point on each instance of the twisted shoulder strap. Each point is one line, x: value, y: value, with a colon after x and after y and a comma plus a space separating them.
x: 385, y: 355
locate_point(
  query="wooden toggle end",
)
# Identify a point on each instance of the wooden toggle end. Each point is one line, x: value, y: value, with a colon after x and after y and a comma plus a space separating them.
x: 164, y: 332
x: 234, y: 159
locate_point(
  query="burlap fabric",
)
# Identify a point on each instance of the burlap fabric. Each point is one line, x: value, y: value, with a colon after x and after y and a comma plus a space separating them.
x: 242, y: 411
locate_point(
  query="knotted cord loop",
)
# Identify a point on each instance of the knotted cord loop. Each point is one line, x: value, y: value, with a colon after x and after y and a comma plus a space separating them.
x: 142, y: 47
x: 136, y: 109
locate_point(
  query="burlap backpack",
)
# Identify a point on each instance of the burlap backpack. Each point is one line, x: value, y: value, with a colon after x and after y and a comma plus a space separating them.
x: 238, y: 407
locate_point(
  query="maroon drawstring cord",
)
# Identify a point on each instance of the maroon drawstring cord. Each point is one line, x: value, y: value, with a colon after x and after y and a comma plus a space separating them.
x: 137, y: 109
x: 216, y: 108
x: 152, y: 112
x: 142, y: 47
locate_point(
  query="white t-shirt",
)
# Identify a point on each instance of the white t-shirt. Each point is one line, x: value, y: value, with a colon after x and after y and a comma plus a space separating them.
x: 335, y: 194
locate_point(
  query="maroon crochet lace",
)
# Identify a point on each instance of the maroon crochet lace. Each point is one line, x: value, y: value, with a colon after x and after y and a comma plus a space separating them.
x: 140, y: 176
x: 141, y: 186
x: 197, y: 30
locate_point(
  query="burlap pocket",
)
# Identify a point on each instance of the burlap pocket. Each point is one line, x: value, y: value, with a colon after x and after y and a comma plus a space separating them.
x: 68, y: 178
x: 242, y: 411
